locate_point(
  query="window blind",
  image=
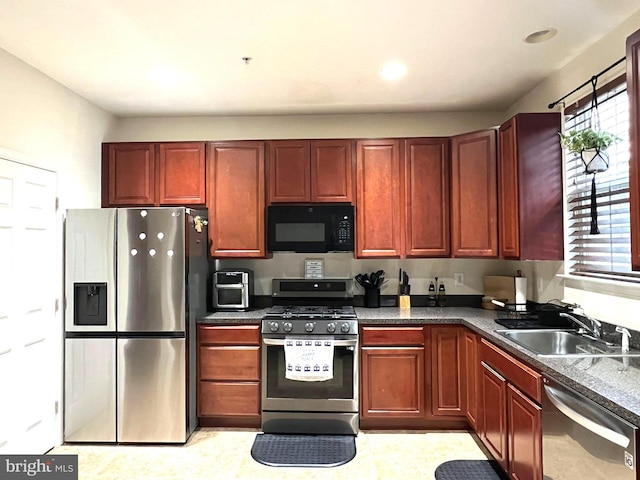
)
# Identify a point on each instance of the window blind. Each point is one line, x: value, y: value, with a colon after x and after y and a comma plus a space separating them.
x: 607, y: 254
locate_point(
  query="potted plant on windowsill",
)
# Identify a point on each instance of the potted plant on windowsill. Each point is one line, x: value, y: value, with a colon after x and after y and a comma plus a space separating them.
x: 591, y: 146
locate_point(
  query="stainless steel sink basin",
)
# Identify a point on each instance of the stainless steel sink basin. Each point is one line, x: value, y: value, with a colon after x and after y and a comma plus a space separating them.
x: 564, y: 343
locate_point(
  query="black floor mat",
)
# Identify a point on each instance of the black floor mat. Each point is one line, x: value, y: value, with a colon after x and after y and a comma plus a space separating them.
x: 303, y: 450
x: 467, y: 470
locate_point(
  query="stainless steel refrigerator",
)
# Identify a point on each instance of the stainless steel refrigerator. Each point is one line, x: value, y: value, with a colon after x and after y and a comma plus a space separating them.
x: 135, y: 280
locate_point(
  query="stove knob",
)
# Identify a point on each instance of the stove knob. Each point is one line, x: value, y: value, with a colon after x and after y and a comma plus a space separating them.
x: 308, y: 327
x: 331, y: 327
x: 273, y: 326
x: 345, y: 327
x: 288, y: 326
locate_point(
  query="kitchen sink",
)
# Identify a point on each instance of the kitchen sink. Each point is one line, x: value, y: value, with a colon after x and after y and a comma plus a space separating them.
x: 565, y: 343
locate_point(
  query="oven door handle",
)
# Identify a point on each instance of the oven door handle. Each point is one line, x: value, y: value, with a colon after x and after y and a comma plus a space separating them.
x: 336, y: 343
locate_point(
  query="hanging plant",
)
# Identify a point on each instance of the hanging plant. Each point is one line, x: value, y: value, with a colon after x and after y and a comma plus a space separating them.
x: 576, y: 141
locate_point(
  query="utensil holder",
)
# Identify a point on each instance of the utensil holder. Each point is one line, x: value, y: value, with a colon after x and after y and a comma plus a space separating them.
x: 404, y: 301
x: 372, y: 297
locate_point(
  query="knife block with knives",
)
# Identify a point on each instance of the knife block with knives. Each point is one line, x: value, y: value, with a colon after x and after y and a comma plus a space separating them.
x: 404, y: 290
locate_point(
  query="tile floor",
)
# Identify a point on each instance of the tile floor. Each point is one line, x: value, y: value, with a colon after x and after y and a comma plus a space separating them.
x: 214, y: 453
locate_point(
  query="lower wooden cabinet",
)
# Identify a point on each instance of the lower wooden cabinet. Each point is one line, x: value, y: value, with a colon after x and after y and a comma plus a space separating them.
x: 510, y: 396
x: 392, y: 380
x: 447, y: 389
x: 229, y: 375
x: 471, y: 368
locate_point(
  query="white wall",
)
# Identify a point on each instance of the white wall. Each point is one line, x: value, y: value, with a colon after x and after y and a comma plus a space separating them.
x: 44, y: 124
x: 302, y: 126
x: 614, y: 302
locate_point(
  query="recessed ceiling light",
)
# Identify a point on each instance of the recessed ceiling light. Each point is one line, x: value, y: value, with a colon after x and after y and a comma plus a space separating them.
x: 541, y: 35
x: 393, y: 71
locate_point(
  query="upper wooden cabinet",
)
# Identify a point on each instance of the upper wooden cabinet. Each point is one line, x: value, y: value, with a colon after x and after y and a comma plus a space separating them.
x: 378, y: 232
x: 530, y: 188
x: 474, y: 209
x: 181, y: 174
x: 311, y: 171
x: 236, y: 199
x: 153, y: 174
x: 426, y: 197
x: 128, y: 174
x: 633, y: 90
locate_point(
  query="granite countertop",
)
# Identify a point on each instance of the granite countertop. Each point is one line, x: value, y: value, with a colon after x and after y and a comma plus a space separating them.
x: 600, y: 379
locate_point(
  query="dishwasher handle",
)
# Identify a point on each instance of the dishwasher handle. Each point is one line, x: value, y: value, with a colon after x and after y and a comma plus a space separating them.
x: 554, y: 397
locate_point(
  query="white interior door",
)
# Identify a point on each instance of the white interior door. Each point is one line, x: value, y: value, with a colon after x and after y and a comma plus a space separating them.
x: 30, y: 334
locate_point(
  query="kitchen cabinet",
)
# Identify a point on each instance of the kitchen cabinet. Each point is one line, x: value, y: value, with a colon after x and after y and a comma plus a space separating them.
x: 510, y: 397
x: 228, y: 375
x: 530, y: 188
x: 633, y: 91
x: 236, y: 199
x: 392, y: 377
x: 311, y: 171
x: 447, y: 389
x: 471, y: 375
x: 378, y: 218
x: 474, y: 209
x: 153, y: 174
x: 426, y: 197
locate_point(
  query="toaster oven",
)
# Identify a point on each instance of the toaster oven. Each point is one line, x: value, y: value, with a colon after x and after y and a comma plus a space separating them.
x: 232, y: 289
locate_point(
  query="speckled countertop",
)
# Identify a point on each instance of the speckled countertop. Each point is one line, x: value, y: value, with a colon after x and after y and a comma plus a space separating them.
x: 600, y: 379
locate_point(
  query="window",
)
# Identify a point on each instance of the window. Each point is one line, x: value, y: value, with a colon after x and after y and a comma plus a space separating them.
x: 607, y: 254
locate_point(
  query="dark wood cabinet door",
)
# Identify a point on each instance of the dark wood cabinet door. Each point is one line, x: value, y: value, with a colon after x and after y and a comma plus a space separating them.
x: 229, y: 399
x: 378, y: 232
x: 426, y: 197
x: 633, y: 90
x: 530, y: 187
x: 471, y: 378
x: 446, y: 376
x: 508, y: 191
x: 493, y: 408
x: 474, y: 209
x: 289, y: 171
x: 181, y: 173
x: 129, y: 170
x: 392, y: 382
x: 236, y: 199
x: 332, y: 171
x: 525, y: 436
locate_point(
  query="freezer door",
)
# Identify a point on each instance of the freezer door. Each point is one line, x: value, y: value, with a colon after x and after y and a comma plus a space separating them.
x: 89, y: 245
x: 151, y: 270
x: 152, y: 390
x: 90, y: 390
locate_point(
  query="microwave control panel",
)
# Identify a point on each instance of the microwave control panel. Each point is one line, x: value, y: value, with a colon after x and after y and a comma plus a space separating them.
x: 344, y: 231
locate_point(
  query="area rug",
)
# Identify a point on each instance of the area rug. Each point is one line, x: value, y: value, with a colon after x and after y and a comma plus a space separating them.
x: 467, y: 469
x: 303, y: 450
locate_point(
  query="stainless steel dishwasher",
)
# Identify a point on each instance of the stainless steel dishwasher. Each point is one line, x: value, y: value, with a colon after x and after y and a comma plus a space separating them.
x: 581, y: 439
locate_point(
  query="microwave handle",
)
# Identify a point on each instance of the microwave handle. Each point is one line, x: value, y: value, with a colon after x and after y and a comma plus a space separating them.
x: 336, y: 343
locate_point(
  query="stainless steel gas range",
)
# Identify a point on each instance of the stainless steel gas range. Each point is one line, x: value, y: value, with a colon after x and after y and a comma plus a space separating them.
x: 310, y: 359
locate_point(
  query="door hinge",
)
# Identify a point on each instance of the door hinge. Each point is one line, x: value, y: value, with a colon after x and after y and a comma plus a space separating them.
x: 57, y: 305
x: 56, y: 407
x: 57, y: 203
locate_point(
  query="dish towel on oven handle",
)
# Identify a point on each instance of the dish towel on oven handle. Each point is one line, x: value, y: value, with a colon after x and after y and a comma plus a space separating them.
x: 308, y: 359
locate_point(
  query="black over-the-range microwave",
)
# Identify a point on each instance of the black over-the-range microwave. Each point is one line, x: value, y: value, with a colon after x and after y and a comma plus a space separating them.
x: 311, y: 228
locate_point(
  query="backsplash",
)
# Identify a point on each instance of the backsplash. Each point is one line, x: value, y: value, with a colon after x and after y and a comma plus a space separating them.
x: 542, y: 284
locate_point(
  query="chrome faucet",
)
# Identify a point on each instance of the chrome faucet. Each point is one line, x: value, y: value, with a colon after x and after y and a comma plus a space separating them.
x: 593, y: 329
x: 626, y: 336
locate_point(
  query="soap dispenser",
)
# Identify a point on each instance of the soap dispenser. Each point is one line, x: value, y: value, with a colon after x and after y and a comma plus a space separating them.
x: 431, y: 296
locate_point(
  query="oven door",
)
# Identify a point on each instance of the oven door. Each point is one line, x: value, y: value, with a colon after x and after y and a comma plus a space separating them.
x: 231, y: 296
x: 340, y: 394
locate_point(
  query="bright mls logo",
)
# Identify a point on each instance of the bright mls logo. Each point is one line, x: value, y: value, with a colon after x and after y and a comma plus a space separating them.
x: 54, y: 467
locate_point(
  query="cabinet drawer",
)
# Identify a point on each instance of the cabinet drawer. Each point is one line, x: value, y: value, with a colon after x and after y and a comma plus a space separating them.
x: 229, y: 363
x: 516, y: 372
x: 392, y: 336
x: 229, y: 334
x: 229, y: 399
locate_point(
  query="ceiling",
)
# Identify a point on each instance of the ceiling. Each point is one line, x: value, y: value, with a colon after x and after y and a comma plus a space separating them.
x: 161, y: 57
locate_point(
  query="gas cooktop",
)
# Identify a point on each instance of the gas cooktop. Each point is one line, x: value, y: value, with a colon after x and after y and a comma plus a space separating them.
x: 311, y: 312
